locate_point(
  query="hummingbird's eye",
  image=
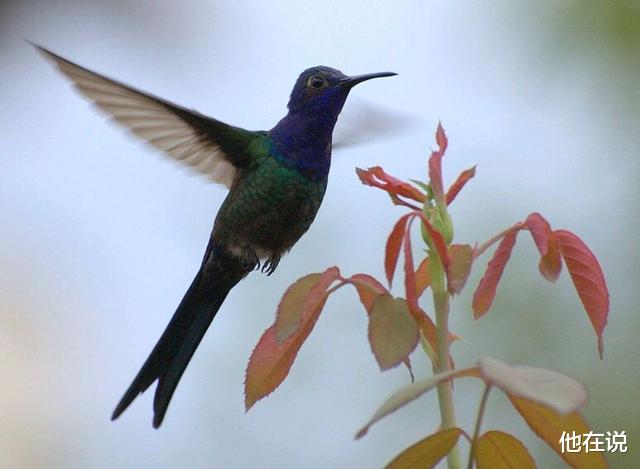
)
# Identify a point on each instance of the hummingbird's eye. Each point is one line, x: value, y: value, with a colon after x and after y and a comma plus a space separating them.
x: 317, y: 82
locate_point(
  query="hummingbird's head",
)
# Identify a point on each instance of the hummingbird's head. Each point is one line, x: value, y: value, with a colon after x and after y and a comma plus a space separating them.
x: 324, y: 90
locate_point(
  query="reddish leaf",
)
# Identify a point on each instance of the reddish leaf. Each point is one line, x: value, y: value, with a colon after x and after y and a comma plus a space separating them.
x: 435, y: 165
x: 368, y: 289
x: 486, y: 291
x: 428, y: 330
x: 409, y: 273
x: 550, y: 261
x: 376, y: 177
x: 499, y: 450
x: 540, y: 231
x: 290, y: 307
x: 393, y: 333
x: 298, y: 312
x: 428, y: 451
x: 436, y: 238
x: 300, y: 299
x: 461, y: 256
x: 398, y: 186
x: 441, y: 138
x: 270, y: 363
x: 588, y: 279
x: 424, y: 322
x: 423, y: 277
x: 550, y: 264
x: 550, y: 427
x: 435, y: 175
x: 392, y: 250
x: 457, y: 186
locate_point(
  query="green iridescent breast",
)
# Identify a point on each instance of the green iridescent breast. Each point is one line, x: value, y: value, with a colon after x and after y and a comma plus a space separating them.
x: 269, y: 207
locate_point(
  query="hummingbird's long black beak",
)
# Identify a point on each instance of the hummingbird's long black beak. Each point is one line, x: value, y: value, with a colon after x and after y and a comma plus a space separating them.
x: 350, y: 82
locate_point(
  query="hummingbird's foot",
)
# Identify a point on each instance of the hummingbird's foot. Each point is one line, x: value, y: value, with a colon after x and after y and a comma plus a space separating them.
x: 250, y: 259
x: 270, y: 264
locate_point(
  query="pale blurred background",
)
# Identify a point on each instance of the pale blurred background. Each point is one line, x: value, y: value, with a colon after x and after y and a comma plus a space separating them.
x: 100, y: 237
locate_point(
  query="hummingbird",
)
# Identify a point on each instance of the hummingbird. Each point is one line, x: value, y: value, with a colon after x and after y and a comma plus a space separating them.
x: 276, y: 181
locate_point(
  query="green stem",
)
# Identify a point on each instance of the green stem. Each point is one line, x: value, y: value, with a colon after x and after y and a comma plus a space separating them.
x: 476, y: 431
x: 445, y: 392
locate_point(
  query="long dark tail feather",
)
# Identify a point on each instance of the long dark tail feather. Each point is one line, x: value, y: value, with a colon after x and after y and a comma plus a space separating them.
x: 219, y: 273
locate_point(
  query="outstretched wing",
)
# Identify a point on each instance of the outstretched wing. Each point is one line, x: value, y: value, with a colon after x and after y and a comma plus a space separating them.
x: 207, y: 145
x: 361, y: 122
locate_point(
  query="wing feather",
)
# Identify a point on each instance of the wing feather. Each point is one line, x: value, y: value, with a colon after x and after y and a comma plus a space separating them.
x: 207, y: 145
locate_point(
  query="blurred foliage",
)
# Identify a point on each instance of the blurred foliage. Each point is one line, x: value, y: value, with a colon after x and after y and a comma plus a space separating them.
x: 611, y: 31
x: 613, y: 25
x: 605, y: 33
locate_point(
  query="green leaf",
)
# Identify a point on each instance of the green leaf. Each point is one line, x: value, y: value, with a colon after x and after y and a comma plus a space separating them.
x: 421, y: 185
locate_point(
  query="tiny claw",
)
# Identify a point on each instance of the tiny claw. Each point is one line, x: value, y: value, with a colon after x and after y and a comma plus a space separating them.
x: 270, y: 265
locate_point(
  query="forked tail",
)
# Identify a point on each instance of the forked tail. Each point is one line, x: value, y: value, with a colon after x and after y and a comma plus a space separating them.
x: 219, y: 273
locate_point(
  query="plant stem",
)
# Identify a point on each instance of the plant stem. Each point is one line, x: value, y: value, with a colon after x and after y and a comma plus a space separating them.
x: 476, y: 431
x: 445, y: 395
x: 486, y: 245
